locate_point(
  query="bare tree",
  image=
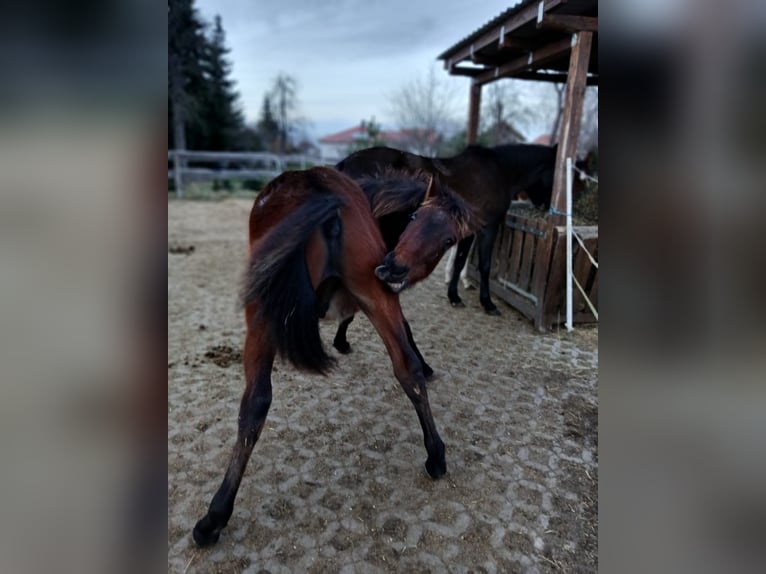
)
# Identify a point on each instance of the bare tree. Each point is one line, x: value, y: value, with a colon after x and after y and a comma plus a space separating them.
x: 560, y: 89
x: 505, y: 113
x: 425, y: 109
x: 285, y: 100
x: 589, y: 128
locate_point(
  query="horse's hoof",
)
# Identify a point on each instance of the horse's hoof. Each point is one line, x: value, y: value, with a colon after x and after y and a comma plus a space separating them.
x: 428, y: 372
x: 436, y: 470
x: 495, y: 312
x: 204, y: 535
x: 343, y: 347
x: 457, y: 304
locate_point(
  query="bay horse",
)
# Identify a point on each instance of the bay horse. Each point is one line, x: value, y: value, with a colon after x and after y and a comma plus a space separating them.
x: 393, y: 197
x: 487, y: 178
x: 316, y: 251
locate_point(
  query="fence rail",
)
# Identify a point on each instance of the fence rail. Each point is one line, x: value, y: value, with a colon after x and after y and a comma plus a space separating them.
x: 209, y: 165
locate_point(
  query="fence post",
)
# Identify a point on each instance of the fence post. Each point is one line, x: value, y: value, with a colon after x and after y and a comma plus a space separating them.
x: 568, y: 323
x: 177, y: 168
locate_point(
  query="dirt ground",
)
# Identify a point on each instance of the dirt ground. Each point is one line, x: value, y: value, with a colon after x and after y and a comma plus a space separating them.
x: 337, y: 482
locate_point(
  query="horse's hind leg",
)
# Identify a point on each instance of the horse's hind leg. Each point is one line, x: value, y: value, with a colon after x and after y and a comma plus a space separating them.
x: 391, y: 326
x: 254, y: 407
x: 428, y: 372
x: 462, y: 255
x: 486, y: 241
x: 341, y: 342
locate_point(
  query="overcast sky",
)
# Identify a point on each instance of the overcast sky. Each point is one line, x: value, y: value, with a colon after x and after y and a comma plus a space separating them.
x: 347, y: 55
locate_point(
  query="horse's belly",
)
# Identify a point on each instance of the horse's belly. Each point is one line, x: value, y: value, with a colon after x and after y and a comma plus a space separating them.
x: 342, y: 306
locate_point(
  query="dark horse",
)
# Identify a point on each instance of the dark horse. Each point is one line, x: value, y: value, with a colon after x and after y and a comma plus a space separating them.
x: 315, y: 251
x: 488, y: 178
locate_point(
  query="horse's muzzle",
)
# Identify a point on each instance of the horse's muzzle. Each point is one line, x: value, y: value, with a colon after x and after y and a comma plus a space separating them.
x: 393, y: 275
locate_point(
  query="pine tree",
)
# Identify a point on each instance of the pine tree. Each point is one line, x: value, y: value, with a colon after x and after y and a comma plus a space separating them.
x: 186, y: 81
x: 203, y: 107
x: 223, y: 116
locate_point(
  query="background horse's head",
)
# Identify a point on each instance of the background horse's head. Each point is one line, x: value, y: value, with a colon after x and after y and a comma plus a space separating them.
x: 442, y: 220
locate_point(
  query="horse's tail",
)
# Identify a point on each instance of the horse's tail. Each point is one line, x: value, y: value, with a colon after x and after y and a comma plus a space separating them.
x: 278, y: 279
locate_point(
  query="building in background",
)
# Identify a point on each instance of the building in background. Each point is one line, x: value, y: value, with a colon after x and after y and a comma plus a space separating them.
x: 334, y: 147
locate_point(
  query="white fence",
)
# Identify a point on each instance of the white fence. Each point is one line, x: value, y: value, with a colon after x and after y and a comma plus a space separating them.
x: 231, y: 165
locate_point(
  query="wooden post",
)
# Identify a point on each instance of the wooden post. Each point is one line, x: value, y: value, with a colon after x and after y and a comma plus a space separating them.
x: 474, y: 104
x: 570, y: 124
x: 178, y: 165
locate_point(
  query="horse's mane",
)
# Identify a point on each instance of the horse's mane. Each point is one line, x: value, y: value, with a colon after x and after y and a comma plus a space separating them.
x: 458, y: 209
x: 392, y: 190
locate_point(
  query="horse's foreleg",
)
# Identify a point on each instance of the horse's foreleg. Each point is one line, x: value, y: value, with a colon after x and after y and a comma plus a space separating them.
x: 341, y: 342
x: 391, y: 326
x: 463, y: 248
x: 450, y: 264
x: 254, y: 407
x: 428, y: 372
x: 486, y: 241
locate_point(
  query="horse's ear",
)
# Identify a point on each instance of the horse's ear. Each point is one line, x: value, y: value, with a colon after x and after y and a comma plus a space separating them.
x: 431, y: 188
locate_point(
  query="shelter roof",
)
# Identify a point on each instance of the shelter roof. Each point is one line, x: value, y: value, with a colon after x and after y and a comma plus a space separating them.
x: 531, y: 40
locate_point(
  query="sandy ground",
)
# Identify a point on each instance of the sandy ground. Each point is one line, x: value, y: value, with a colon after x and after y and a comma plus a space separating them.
x: 336, y: 482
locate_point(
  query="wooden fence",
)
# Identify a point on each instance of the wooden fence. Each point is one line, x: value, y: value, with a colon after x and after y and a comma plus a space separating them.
x: 529, y: 267
x: 184, y: 166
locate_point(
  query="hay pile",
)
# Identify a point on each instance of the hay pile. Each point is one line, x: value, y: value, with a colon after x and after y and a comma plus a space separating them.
x: 585, y: 210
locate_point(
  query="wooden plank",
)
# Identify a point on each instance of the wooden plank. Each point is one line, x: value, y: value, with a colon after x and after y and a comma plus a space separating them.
x: 504, y: 252
x: 571, y: 120
x: 526, y: 260
x: 593, y: 291
x: 542, y: 269
x: 590, y: 80
x: 568, y: 23
x: 474, y: 106
x: 518, y: 302
x: 515, y: 260
x: 581, y: 266
x: 536, y: 58
x: 463, y: 71
x: 586, y: 232
x: 226, y: 155
x: 555, y: 285
x: 206, y: 174
x: 483, y: 39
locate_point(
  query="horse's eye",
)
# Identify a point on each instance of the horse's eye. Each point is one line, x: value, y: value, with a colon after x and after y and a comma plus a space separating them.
x: 413, y: 216
x: 450, y: 242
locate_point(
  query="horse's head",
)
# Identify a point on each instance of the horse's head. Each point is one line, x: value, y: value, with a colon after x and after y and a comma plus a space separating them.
x: 442, y: 220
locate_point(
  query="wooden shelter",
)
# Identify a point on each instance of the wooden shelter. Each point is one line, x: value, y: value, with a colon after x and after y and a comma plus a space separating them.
x: 551, y: 41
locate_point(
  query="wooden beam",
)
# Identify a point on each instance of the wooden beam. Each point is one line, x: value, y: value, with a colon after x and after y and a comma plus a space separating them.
x: 523, y: 63
x: 524, y: 16
x: 474, y: 105
x: 509, y: 43
x: 462, y: 71
x: 553, y: 77
x: 568, y: 23
x: 570, y: 122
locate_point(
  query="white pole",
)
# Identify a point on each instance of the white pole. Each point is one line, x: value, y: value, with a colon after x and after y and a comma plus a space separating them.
x: 569, y: 245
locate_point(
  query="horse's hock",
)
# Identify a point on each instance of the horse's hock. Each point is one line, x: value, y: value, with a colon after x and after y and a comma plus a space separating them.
x: 336, y: 482
x: 529, y: 270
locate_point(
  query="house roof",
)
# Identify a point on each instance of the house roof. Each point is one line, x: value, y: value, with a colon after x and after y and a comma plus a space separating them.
x: 352, y: 135
x: 346, y: 136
